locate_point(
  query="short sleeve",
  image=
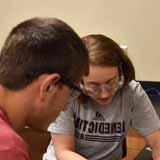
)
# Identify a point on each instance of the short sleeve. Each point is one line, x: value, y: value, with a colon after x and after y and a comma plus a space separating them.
x: 144, y: 119
x: 64, y: 122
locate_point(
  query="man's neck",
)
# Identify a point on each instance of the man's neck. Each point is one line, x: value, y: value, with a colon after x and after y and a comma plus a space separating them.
x: 12, y: 104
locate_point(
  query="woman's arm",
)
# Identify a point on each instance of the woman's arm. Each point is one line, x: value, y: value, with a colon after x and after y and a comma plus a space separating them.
x: 154, y: 141
x: 64, y: 146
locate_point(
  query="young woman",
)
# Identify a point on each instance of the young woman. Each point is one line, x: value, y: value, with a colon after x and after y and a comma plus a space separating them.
x: 95, y: 128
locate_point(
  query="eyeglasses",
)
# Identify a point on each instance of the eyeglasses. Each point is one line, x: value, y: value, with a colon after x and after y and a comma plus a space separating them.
x: 94, y: 90
x: 76, y: 90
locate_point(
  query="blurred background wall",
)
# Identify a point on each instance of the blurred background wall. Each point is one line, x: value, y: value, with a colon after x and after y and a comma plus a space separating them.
x: 132, y: 23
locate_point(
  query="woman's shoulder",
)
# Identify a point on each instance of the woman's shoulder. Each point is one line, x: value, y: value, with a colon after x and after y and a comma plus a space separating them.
x: 134, y: 88
x: 133, y: 85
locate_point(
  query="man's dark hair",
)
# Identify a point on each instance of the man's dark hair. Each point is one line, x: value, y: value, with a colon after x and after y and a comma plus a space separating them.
x: 41, y: 45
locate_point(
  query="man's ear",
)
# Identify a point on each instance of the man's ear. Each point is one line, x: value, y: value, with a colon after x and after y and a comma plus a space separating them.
x: 48, y: 84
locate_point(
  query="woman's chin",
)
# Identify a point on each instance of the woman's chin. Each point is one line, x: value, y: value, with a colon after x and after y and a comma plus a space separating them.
x: 104, y: 101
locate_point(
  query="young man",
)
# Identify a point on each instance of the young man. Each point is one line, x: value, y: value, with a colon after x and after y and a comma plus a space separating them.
x: 41, y: 62
x: 96, y: 128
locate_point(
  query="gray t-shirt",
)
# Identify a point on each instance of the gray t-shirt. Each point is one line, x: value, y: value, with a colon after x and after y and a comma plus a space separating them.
x: 99, y: 130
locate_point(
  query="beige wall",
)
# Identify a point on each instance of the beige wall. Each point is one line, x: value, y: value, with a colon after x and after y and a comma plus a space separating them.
x: 133, y: 23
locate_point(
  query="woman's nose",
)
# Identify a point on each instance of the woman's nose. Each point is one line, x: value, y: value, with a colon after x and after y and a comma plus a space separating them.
x: 104, y: 93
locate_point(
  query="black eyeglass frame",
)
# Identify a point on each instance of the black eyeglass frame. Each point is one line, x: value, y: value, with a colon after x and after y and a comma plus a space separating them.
x: 63, y: 79
x: 71, y: 84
